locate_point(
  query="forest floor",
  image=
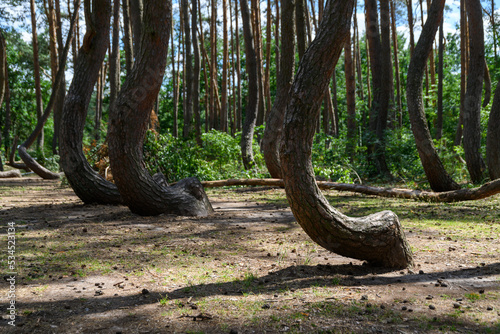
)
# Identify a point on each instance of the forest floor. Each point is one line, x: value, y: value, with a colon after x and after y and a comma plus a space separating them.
x: 248, y: 268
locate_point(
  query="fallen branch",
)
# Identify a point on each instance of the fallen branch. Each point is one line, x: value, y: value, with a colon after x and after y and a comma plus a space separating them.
x: 486, y: 190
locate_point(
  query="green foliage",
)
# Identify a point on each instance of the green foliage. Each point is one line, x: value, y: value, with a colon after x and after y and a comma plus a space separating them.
x: 219, y: 157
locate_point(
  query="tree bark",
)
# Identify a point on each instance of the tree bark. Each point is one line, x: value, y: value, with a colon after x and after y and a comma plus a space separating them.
x: 136, y: 21
x: 239, y: 117
x: 3, y: 80
x: 225, y: 61
x: 472, y: 106
x: 128, y: 125
x: 88, y: 185
x: 410, y: 25
x: 350, y: 82
x: 127, y: 36
x: 381, y: 95
x: 114, y: 58
x: 274, y: 124
x: 437, y: 176
x: 399, y: 115
x: 439, y: 119
x: 188, y: 71
x: 196, y: 71
x: 493, y: 137
x: 253, y: 89
x: 36, y: 65
x: 377, y: 238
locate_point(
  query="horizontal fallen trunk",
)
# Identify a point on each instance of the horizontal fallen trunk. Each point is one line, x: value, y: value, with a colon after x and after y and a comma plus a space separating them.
x: 486, y: 190
x: 10, y: 173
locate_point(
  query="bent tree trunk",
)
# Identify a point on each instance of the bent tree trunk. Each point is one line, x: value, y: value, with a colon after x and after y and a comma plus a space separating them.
x: 253, y: 89
x: 377, y: 238
x: 23, y: 153
x: 86, y: 183
x: 129, y: 118
x: 274, y: 124
x: 437, y: 176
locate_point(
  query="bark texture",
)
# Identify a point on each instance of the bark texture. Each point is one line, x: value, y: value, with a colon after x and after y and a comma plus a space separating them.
x: 493, y: 138
x: 437, y: 176
x: 274, y: 124
x: 472, y: 106
x: 377, y: 238
x: 129, y: 121
x: 86, y: 183
x: 253, y: 88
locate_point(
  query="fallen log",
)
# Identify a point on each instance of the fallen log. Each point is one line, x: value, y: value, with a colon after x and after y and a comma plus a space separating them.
x: 486, y: 190
x: 10, y: 173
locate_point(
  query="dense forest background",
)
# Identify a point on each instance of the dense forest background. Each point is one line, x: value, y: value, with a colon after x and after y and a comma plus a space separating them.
x: 199, y: 134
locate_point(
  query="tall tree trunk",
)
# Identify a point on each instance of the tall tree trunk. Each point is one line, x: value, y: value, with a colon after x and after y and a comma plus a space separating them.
x: 257, y: 33
x: 36, y: 65
x: 114, y: 58
x: 3, y: 67
x: 377, y: 238
x: 188, y: 72
x: 493, y: 137
x: 350, y: 82
x: 387, y: 88
x: 409, y: 7
x: 214, y: 119
x: 463, y: 69
x: 89, y: 186
x: 135, y: 12
x: 142, y: 193
x: 253, y: 89
x: 437, y: 176
x: 381, y: 95
x: 239, y: 117
x: 357, y: 55
x: 267, y: 76
x: 196, y: 71
x: 274, y: 123
x: 128, y: 37
x: 3, y: 80
x: 225, y: 61
x: 439, y: 119
x: 277, y: 23
x: 300, y: 30
x: 175, y: 78
x: 399, y: 115
x: 59, y: 103
x: 472, y: 110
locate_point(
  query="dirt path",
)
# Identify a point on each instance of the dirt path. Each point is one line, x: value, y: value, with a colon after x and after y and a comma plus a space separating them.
x: 249, y: 268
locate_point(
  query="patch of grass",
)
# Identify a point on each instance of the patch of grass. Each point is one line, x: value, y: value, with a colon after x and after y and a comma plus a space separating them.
x: 474, y: 296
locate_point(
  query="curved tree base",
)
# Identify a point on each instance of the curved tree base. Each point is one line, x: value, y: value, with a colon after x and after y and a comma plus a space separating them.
x: 185, y: 198
x: 128, y: 121
x: 377, y: 238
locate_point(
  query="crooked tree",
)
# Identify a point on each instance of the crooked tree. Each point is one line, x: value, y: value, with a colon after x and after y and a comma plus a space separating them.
x: 377, y: 238
x: 128, y: 123
x: 87, y: 184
